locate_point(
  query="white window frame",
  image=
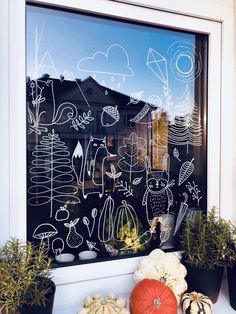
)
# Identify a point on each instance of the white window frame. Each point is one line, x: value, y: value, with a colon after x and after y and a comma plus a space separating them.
x: 13, y: 114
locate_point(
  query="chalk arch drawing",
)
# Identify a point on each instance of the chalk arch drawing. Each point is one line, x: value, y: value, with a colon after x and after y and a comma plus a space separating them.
x: 103, y: 62
x: 185, y: 61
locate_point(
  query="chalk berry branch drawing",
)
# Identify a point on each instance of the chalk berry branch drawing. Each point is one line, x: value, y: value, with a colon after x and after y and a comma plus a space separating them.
x: 51, y: 173
x: 132, y: 154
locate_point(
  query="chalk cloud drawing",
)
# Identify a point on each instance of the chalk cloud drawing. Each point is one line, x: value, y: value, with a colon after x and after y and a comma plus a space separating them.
x: 132, y: 154
x: 51, y: 173
x: 86, y: 221
x: 115, y: 61
x: 89, y: 166
x: 62, y: 213
x: 44, y: 232
x: 195, y: 192
x: 110, y: 116
x: 73, y: 238
x: 185, y: 61
x: 58, y: 246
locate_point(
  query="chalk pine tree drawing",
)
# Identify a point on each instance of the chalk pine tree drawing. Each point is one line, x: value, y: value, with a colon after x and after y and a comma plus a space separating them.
x: 51, y: 173
x: 132, y: 154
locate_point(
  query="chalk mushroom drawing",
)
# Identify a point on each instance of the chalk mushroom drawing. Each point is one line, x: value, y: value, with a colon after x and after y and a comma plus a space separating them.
x: 43, y: 232
x: 51, y: 155
x: 132, y: 154
x: 58, y: 246
x: 86, y: 165
x: 73, y: 238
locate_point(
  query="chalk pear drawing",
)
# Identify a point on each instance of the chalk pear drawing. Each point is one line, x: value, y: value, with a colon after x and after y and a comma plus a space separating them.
x: 132, y: 154
x: 73, y: 238
x: 51, y: 173
x: 89, y: 167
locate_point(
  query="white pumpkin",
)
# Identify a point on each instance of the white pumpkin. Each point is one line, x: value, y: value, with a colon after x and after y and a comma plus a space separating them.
x: 99, y: 304
x: 164, y: 267
x: 196, y: 303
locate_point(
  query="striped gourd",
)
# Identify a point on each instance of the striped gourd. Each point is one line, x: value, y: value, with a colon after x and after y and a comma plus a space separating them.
x: 196, y: 303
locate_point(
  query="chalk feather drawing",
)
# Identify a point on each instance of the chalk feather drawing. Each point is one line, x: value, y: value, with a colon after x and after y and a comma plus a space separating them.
x: 89, y: 167
x: 73, y: 239
x: 51, y: 173
x: 185, y: 171
x: 132, y: 154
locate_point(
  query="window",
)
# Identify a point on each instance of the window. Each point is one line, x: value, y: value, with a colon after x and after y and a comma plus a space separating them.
x: 116, y: 133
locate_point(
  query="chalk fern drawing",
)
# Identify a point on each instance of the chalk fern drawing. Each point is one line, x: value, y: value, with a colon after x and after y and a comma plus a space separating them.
x: 132, y: 154
x: 194, y: 190
x: 124, y: 188
x: 51, y: 173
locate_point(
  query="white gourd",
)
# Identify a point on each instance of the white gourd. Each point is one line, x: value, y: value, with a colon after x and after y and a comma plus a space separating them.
x: 196, y: 303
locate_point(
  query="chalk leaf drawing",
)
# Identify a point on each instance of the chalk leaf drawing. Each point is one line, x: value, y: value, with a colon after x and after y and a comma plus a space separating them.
x: 124, y: 188
x: 44, y: 232
x: 105, y: 223
x: 113, y: 174
x: 186, y: 170
x: 103, y: 62
x: 194, y: 190
x: 86, y: 221
x: 135, y: 98
x: 132, y: 154
x: 51, y: 173
x: 89, y: 166
x: 182, y: 212
x: 81, y: 121
x: 62, y: 213
x: 176, y: 154
x: 136, y: 181
x: 73, y: 238
x: 110, y: 116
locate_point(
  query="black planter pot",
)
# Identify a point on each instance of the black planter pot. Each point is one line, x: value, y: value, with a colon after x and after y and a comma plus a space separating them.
x: 41, y: 309
x: 204, y: 280
x: 231, y: 271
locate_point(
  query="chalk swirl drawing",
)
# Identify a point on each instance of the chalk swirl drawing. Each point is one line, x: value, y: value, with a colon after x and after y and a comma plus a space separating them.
x: 132, y: 154
x: 185, y: 171
x: 113, y: 174
x: 194, y: 190
x: 51, y: 173
x: 66, y: 111
x: 185, y: 61
x: 158, y: 197
x: 110, y: 116
x: 124, y: 188
x: 73, y: 238
x: 44, y: 232
x: 89, y: 166
x: 105, y: 223
x: 115, y: 62
x: 86, y: 221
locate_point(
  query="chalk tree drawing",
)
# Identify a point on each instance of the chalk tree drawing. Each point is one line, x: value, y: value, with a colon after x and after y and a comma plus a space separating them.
x: 73, y: 239
x: 51, y: 173
x: 39, y: 119
x: 194, y: 190
x: 158, y: 197
x: 132, y: 154
x: 89, y: 166
x: 185, y: 104
x: 115, y: 62
x: 185, y: 60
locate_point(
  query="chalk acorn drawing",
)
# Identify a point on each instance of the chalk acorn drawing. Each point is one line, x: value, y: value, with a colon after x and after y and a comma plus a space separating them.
x: 110, y: 115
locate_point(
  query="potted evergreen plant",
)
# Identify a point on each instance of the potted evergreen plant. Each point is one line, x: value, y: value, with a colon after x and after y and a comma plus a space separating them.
x: 26, y: 286
x: 206, y: 250
x: 231, y: 269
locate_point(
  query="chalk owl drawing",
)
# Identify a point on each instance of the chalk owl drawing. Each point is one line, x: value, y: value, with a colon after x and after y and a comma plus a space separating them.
x: 158, y: 197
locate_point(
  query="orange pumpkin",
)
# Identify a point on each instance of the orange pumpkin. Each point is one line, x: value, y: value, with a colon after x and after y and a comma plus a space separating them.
x: 151, y: 296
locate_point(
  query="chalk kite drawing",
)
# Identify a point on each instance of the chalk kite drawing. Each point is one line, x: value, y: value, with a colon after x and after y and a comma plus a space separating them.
x: 73, y: 238
x: 194, y: 190
x: 110, y: 116
x: 86, y: 166
x: 51, y: 173
x: 62, y: 213
x: 58, y: 246
x: 124, y: 188
x: 115, y: 62
x: 132, y: 154
x: 182, y: 212
x: 44, y: 232
x: 185, y: 171
x: 185, y: 61
x: 158, y: 197
x: 86, y: 221
x: 65, y: 112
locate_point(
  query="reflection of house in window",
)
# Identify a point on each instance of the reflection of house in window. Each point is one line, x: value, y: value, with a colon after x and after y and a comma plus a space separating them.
x: 130, y: 124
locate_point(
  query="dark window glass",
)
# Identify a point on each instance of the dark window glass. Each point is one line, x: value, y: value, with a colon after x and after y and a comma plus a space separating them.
x: 116, y: 136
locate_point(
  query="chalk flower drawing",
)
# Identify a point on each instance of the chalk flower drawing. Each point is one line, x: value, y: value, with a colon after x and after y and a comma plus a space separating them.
x: 51, y: 173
